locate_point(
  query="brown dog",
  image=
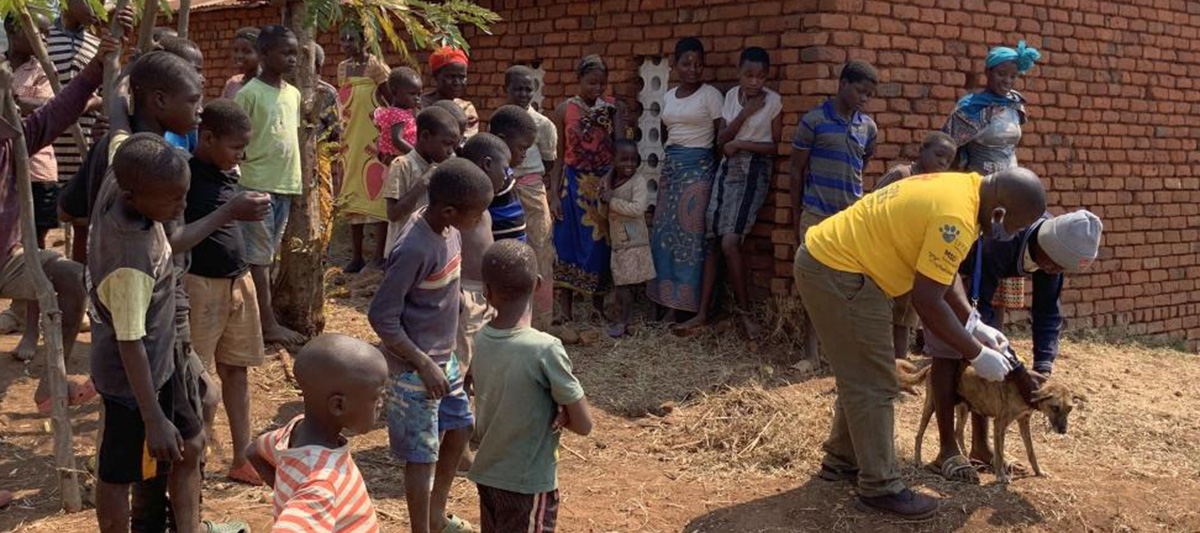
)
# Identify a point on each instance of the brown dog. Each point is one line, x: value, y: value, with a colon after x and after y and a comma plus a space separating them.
x: 1002, y: 402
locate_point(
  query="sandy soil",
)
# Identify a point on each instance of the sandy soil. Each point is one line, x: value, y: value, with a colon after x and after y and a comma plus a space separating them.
x: 660, y: 460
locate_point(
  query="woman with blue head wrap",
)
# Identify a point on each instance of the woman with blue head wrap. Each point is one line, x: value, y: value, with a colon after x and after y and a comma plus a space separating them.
x: 987, y: 127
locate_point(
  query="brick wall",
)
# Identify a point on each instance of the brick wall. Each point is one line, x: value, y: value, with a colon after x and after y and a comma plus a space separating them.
x: 1110, y: 107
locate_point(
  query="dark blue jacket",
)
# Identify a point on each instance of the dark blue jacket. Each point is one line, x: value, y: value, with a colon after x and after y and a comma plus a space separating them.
x: 1006, y: 260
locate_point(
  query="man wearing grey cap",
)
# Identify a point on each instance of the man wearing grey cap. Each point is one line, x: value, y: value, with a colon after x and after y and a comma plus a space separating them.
x: 1045, y: 251
x: 1050, y: 247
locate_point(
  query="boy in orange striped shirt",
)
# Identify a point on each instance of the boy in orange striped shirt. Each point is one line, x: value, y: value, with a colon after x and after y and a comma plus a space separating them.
x: 317, y: 486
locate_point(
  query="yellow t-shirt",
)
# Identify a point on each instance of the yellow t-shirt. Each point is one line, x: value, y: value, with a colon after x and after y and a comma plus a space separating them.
x: 923, y: 224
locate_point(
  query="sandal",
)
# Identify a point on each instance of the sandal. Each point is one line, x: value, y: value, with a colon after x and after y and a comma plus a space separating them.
x: 246, y: 474
x: 957, y: 468
x: 454, y: 524
x: 1014, y: 468
x: 235, y: 526
x: 78, y: 394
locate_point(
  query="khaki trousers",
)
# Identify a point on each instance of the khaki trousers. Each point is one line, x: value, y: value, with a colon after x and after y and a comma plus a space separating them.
x: 853, y: 320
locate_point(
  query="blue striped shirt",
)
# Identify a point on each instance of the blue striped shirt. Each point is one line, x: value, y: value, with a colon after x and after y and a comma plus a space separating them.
x: 838, y: 151
x: 508, y: 217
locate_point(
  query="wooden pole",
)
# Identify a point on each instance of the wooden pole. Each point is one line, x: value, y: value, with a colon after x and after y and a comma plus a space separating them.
x: 146, y: 32
x: 51, y: 317
x: 185, y: 9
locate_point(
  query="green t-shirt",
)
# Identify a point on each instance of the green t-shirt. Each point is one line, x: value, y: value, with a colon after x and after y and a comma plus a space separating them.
x: 273, y: 156
x: 521, y: 377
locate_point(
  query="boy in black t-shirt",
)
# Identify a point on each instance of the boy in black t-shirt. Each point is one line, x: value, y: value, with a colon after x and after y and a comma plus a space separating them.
x: 224, y: 320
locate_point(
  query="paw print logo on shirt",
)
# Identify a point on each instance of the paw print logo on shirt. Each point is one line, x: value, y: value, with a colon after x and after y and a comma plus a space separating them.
x: 949, y: 233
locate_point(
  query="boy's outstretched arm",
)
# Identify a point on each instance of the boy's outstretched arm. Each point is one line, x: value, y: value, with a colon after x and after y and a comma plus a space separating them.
x: 265, y: 470
x: 398, y: 141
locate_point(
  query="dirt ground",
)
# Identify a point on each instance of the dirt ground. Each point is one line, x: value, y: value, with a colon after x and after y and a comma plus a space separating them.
x: 711, y: 435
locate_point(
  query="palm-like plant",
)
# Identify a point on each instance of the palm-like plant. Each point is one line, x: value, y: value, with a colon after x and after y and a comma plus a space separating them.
x: 425, y: 24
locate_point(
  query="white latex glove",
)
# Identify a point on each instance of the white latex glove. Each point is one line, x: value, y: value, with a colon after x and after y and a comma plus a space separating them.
x: 991, y: 364
x: 990, y: 337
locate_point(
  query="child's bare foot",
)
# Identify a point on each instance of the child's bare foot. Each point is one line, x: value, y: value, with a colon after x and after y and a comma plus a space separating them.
x: 355, y: 266
x: 691, y: 326
x: 27, y: 348
x: 281, y: 335
x: 615, y: 330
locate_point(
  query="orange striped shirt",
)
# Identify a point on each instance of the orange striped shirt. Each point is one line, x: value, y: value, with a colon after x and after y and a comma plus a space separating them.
x: 317, y: 489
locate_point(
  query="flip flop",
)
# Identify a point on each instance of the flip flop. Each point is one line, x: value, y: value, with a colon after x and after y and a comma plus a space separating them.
x: 78, y: 394
x: 1015, y: 469
x: 957, y: 468
x: 246, y: 474
x: 234, y: 526
x: 454, y: 524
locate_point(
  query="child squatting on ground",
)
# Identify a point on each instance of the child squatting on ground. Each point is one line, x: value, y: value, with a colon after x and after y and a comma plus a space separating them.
x: 525, y: 394
x: 317, y: 486
x: 415, y: 314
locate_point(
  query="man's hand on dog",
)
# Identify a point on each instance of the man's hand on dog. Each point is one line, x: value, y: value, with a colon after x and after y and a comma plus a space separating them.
x: 991, y: 364
x: 990, y: 337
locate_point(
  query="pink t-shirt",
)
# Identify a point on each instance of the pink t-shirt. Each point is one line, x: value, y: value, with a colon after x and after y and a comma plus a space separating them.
x: 30, y: 81
x: 385, y: 118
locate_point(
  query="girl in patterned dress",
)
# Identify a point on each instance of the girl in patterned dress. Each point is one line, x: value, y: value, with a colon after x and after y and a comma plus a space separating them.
x: 590, y: 123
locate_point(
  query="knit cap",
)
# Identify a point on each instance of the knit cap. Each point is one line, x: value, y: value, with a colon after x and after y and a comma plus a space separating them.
x: 1071, y: 240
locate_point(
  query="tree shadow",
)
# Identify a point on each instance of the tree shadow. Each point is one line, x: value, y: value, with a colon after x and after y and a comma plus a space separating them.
x: 819, y: 505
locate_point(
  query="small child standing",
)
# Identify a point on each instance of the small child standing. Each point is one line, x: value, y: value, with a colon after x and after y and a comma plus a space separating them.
x: 245, y: 59
x: 518, y: 130
x: 525, y: 394
x: 360, y: 198
x: 317, y: 486
x: 937, y: 152
x: 150, y: 426
x: 407, y: 179
x: 272, y: 164
x: 531, y: 189
x: 832, y: 146
x: 397, y: 123
x: 751, y: 124
x: 449, y: 68
x: 632, y: 264
x: 415, y: 314
x: 224, y: 320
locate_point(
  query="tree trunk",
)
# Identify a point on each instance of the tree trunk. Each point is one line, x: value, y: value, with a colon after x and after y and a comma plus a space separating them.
x: 51, y: 317
x: 299, y: 289
x: 185, y: 9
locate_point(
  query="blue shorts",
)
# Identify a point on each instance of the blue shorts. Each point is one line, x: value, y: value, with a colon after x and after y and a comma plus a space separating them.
x: 262, y: 237
x: 416, y: 422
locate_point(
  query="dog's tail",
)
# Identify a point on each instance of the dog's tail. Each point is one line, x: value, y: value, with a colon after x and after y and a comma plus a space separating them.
x: 908, y: 376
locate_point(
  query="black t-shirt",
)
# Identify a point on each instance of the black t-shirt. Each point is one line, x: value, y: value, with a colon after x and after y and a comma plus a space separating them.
x: 222, y: 254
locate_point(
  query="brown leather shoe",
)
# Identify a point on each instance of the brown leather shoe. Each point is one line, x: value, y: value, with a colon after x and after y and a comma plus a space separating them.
x: 905, y: 505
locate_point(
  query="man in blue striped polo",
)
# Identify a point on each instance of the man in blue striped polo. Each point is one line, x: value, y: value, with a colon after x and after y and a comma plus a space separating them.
x: 832, y: 146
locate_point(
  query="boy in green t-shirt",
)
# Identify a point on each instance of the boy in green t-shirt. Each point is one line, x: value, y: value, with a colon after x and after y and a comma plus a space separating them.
x: 272, y: 163
x: 524, y: 394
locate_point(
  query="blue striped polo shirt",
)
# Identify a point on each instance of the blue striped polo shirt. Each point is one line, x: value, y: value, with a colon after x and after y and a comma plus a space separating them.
x: 838, y: 151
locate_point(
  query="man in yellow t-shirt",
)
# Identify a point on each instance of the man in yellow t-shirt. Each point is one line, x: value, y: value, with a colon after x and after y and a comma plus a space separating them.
x: 908, y: 237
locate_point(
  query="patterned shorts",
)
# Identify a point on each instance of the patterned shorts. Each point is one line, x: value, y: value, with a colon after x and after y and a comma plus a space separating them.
x: 416, y: 422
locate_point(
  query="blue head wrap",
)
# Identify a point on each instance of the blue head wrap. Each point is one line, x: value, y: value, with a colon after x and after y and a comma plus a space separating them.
x: 1025, y: 56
